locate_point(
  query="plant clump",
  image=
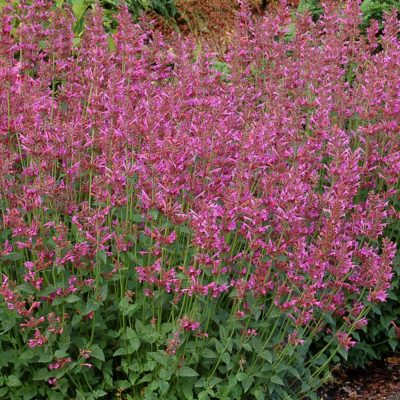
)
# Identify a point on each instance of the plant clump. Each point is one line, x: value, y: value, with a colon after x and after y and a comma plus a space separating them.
x: 178, y: 227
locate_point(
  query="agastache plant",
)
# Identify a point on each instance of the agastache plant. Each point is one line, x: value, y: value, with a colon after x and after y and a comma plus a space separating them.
x: 171, y: 230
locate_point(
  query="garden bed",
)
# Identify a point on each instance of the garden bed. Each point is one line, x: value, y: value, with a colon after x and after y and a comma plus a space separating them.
x: 180, y: 224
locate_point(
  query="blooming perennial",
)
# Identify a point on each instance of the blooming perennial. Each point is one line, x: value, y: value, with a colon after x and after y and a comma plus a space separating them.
x: 224, y: 219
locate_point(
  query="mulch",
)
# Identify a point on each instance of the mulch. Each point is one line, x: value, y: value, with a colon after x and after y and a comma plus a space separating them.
x: 379, y: 381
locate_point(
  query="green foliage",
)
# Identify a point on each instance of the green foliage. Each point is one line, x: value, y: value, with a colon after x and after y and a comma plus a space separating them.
x: 79, y: 8
x: 312, y: 6
x: 375, y: 9
x: 165, y: 8
x: 119, y: 341
x: 371, y: 9
x: 132, y: 359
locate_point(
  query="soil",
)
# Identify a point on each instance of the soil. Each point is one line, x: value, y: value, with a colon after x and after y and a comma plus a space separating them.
x: 212, y: 20
x: 379, y: 381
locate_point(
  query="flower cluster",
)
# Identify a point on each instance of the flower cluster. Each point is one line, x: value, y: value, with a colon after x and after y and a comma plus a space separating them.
x: 133, y: 163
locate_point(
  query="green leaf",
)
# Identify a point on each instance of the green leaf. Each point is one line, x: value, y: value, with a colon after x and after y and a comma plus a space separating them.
x: 165, y: 374
x: 187, y: 389
x: 133, y: 346
x: 259, y: 394
x: 166, y: 328
x: 78, y: 8
x: 72, y: 298
x: 60, y: 354
x: 343, y: 352
x: 76, y: 320
x: 365, y: 5
x: 226, y: 358
x: 102, y: 256
x: 26, y: 288
x: 91, y: 306
x: 376, y: 309
x: 112, y: 334
x: 136, y: 218
x: 57, y: 301
x: 154, y: 214
x: 232, y: 382
x: 146, y: 378
x: 241, y: 376
x: 204, y: 395
x: 246, y: 383
x: 163, y: 387
x: 305, y: 387
x: 293, y: 371
x: 214, y: 381
x: 208, y: 353
x: 160, y: 358
x: 104, y: 292
x: 130, y: 334
x: 27, y: 355
x: 219, y: 347
x: 200, y: 383
x: 393, y: 343
x: 99, y: 393
x: 247, y: 346
x: 267, y: 356
x: 187, y: 372
x: 122, y: 385
x: 119, y: 352
x: 139, y: 326
x: 150, y: 365
x: 45, y: 357
x: 97, y: 352
x: 30, y: 392
x: 13, y: 381
x: 42, y: 374
x: 13, y: 256
x: 8, y: 324
x: 277, y: 380
x: 111, y: 43
x: 223, y: 332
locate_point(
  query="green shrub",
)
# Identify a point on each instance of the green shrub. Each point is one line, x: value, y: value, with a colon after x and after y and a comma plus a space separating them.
x: 374, y: 9
x: 165, y: 8
x: 371, y: 9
